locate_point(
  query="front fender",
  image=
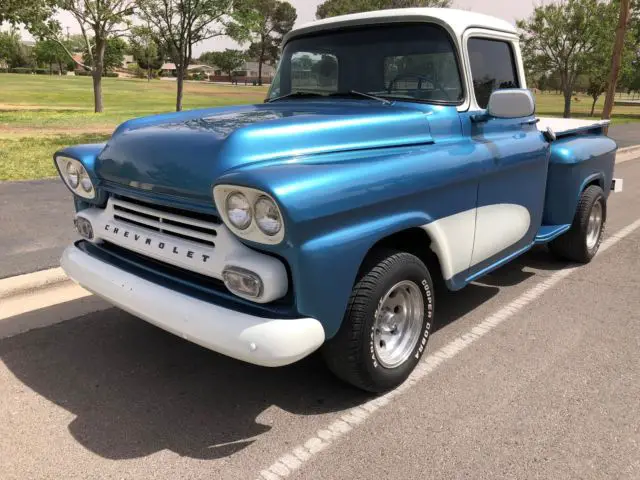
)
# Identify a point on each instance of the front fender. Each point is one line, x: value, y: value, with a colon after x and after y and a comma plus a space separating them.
x: 336, y: 211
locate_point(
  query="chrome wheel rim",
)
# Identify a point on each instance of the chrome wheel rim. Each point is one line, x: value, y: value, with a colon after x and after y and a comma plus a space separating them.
x: 594, y: 226
x: 398, y: 323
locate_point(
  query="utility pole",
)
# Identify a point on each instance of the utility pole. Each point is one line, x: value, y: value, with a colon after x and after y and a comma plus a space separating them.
x: 616, y: 60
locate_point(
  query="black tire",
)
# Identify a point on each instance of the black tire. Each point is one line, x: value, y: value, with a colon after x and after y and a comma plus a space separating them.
x: 350, y: 354
x: 573, y: 245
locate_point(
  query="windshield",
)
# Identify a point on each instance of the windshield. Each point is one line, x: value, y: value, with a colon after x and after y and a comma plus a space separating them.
x: 406, y: 62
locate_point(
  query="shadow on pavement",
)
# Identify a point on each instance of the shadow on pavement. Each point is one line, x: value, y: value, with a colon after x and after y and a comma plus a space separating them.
x: 136, y: 390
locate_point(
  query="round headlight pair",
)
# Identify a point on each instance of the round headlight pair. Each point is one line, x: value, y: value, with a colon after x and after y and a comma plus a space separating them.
x: 240, y: 213
x: 76, y: 177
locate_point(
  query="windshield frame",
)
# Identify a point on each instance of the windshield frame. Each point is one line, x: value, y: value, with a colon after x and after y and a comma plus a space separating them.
x: 461, y: 104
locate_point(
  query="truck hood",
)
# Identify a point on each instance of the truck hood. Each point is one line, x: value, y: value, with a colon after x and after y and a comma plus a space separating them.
x: 184, y: 153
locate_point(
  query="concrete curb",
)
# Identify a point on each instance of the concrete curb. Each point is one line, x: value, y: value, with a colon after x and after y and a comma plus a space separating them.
x: 628, y: 153
x: 27, y: 283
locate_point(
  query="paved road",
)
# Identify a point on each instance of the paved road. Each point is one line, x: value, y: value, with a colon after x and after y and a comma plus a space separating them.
x: 551, y: 392
x: 626, y: 135
x: 36, y: 218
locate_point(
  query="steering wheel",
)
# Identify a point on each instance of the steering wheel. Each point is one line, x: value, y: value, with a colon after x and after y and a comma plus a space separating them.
x: 421, y: 78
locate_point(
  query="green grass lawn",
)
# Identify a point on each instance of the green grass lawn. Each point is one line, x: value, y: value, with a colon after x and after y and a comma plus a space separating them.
x: 552, y: 105
x: 40, y: 114
x: 31, y: 157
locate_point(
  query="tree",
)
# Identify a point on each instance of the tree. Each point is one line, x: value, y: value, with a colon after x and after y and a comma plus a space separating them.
x: 145, y: 50
x: 228, y: 61
x: 332, y: 8
x: 10, y: 48
x: 180, y: 24
x: 99, y: 20
x: 560, y: 37
x: 267, y: 21
x: 616, y: 58
x: 114, y: 51
x: 48, y: 52
x: 597, y: 64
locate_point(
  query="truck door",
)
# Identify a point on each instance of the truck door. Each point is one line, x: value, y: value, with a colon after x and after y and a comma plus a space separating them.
x: 511, y: 189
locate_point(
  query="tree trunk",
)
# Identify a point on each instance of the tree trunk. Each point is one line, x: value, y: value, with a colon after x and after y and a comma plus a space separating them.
x: 180, y: 82
x: 51, y: 69
x: 616, y: 60
x: 97, y: 90
x: 567, y: 103
x: 593, y: 105
x: 98, y: 68
x: 260, y: 60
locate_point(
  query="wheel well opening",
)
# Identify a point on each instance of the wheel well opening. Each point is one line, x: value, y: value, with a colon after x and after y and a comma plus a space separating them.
x: 598, y: 182
x: 414, y: 241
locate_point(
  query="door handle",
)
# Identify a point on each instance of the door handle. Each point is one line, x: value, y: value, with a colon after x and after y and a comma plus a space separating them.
x: 531, y: 121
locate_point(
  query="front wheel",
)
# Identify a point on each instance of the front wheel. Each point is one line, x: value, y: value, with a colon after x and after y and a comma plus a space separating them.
x: 582, y: 241
x: 387, y: 323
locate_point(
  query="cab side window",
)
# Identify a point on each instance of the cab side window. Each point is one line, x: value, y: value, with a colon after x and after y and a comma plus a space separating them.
x: 493, y: 67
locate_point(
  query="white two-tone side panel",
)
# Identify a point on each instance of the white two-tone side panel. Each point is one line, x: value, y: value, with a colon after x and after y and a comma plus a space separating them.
x: 497, y: 228
x: 470, y: 237
x: 452, y: 241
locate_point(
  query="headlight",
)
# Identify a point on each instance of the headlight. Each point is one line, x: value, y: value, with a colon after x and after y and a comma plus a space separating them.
x: 238, y: 210
x: 73, y: 175
x: 267, y: 216
x: 76, y: 177
x: 250, y: 213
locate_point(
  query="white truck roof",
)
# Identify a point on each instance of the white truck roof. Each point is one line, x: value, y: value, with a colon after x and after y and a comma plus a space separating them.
x: 456, y: 20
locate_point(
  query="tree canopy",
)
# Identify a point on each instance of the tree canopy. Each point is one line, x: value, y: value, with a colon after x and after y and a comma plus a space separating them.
x: 228, y: 61
x: 562, y: 37
x: 180, y: 24
x: 113, y: 54
x: 266, y: 22
x: 332, y: 8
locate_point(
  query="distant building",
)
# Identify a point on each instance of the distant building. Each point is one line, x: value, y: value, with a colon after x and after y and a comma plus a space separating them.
x: 247, y: 74
x: 268, y: 71
x: 128, y: 60
x: 169, y: 69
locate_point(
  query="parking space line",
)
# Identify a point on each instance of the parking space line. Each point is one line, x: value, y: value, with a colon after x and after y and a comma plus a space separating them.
x: 292, y: 460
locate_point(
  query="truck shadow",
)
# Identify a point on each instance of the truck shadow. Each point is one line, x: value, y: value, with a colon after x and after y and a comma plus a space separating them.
x: 136, y: 390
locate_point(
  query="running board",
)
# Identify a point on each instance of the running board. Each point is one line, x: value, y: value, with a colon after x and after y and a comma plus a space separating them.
x: 549, y: 232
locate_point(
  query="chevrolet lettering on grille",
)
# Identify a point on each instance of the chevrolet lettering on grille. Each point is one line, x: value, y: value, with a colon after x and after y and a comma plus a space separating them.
x: 143, y: 240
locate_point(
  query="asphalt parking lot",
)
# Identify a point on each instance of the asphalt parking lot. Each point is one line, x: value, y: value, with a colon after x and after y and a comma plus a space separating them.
x: 550, y: 390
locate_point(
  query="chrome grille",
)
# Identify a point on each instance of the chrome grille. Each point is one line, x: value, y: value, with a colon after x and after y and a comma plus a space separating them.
x: 166, y: 221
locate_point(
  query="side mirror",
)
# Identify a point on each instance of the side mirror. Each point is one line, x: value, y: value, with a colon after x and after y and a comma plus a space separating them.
x: 511, y: 103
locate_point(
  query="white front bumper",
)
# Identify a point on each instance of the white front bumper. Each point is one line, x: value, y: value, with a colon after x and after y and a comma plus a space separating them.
x: 262, y: 341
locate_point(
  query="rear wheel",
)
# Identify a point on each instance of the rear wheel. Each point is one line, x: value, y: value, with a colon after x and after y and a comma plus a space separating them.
x: 387, y: 323
x: 582, y: 241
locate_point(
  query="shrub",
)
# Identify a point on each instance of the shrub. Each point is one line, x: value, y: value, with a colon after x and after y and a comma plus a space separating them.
x: 82, y: 73
x: 22, y: 70
x: 42, y: 71
x: 111, y: 74
x: 4, y: 70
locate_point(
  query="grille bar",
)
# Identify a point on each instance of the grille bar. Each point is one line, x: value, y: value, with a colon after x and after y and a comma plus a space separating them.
x: 165, y: 222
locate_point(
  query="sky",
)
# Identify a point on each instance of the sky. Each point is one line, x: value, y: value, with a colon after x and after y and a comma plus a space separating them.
x: 509, y: 10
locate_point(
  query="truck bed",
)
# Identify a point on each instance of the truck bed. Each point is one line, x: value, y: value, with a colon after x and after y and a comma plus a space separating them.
x: 568, y: 126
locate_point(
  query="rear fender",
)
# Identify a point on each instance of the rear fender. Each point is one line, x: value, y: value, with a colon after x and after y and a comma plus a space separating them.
x: 575, y: 163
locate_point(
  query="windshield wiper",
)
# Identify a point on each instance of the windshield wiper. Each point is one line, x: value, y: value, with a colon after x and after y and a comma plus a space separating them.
x: 294, y: 94
x: 355, y: 93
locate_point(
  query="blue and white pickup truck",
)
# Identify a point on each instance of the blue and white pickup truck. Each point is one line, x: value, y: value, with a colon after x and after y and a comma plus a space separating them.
x: 396, y: 150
